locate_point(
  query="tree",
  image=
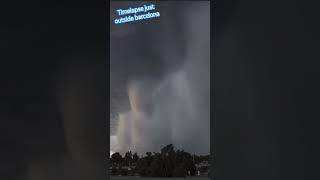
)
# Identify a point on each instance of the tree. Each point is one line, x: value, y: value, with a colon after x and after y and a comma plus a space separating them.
x: 167, y: 149
x: 168, y: 166
x: 142, y: 164
x: 149, y: 154
x: 156, y: 166
x: 193, y: 169
x: 116, y: 158
x: 135, y: 157
x: 167, y: 163
x: 128, y: 158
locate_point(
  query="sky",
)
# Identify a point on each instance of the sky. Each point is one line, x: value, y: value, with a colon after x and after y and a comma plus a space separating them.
x: 159, y: 63
x: 137, y: 50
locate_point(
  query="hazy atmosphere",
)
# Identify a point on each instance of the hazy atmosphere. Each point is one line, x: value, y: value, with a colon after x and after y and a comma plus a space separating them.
x: 160, y: 79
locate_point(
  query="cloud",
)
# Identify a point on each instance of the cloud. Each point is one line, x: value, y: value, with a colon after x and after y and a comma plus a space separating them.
x: 176, y: 108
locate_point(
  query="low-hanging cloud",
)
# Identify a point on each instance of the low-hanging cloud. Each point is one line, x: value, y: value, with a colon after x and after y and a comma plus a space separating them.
x: 175, y: 109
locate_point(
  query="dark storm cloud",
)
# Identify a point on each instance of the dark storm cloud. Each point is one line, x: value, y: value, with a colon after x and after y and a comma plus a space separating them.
x: 168, y: 58
x: 139, y: 49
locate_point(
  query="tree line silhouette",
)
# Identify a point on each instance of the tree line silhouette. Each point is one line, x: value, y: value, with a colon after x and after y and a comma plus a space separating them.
x: 167, y: 163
